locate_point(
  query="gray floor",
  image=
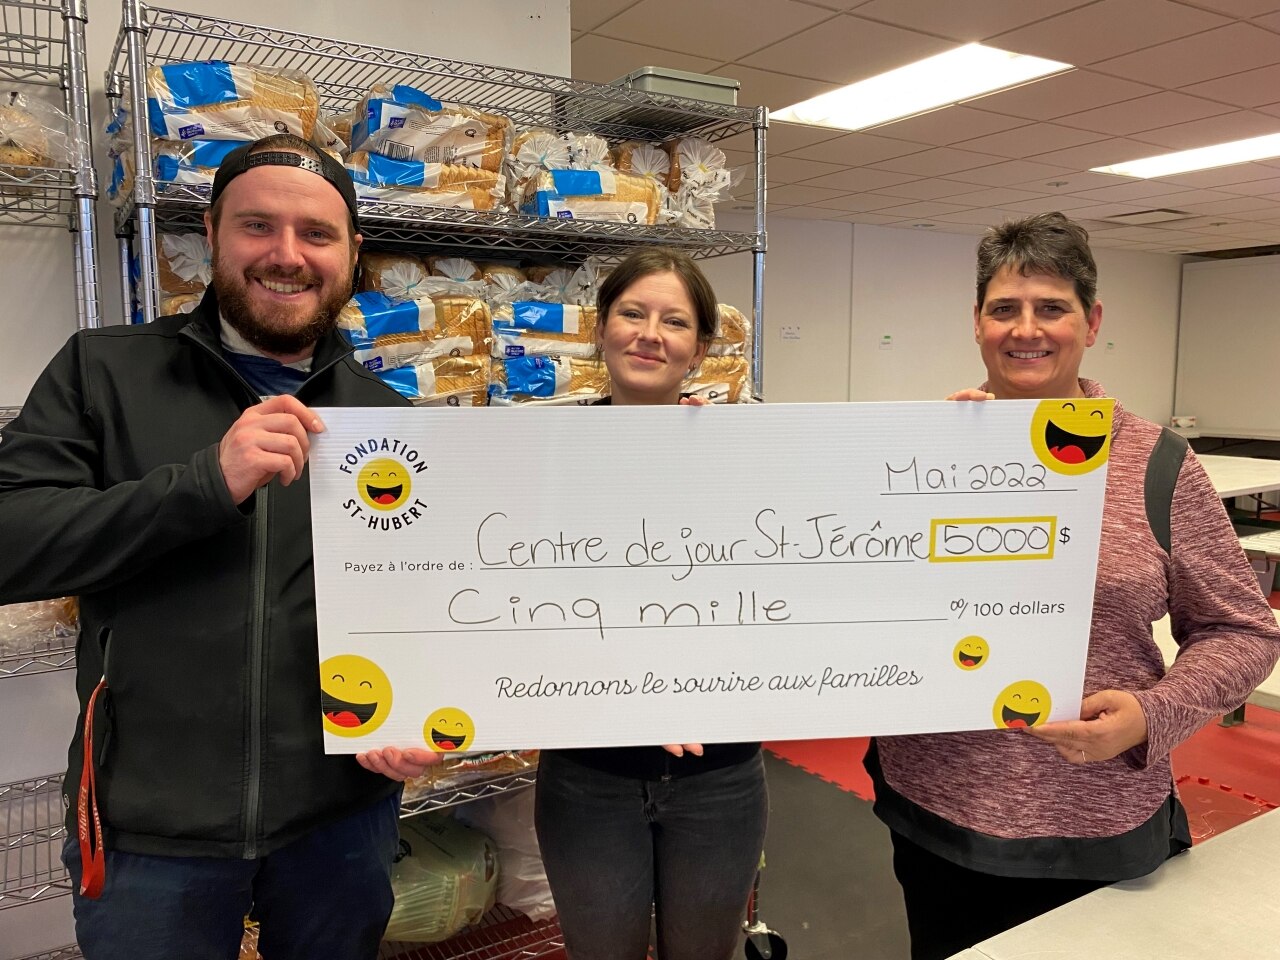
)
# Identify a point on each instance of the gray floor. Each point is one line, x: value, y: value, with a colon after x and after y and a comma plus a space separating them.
x: 828, y: 888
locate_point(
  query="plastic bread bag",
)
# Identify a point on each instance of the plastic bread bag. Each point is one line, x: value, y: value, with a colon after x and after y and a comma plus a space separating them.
x: 180, y: 303
x: 592, y: 195
x: 694, y: 161
x: 451, y: 267
x: 249, y: 942
x: 184, y: 262
x: 398, y: 275
x: 387, y: 333
x: 724, y: 379
x: 507, y: 819
x: 535, y: 380
x: 642, y: 159
x: 439, y: 379
x: 192, y: 163
x: 733, y: 333
x: 538, y: 328
x: 456, y: 771
x: 404, y: 123
x: 588, y: 152
x: 27, y: 628
x: 533, y: 151
x: 217, y: 100
x: 444, y: 878
x: 428, y: 184
x: 33, y: 133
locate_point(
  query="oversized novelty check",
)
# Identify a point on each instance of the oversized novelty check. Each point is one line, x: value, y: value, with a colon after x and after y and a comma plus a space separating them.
x: 563, y: 577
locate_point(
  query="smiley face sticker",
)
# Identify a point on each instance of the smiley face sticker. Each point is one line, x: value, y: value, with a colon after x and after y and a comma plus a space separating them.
x: 1022, y: 704
x: 448, y: 730
x: 1072, y: 436
x: 355, y: 695
x: 970, y: 653
x: 383, y: 483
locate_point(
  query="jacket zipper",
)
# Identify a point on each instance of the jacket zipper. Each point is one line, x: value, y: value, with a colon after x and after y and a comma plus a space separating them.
x: 257, y: 667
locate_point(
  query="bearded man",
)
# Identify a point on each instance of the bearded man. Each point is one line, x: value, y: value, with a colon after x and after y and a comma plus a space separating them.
x: 157, y: 472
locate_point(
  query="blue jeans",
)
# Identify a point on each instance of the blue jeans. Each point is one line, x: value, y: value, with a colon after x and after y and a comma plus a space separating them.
x: 327, y: 894
x: 617, y: 849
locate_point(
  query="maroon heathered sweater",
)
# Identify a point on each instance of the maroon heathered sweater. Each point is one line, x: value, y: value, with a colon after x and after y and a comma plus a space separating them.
x: 1009, y: 784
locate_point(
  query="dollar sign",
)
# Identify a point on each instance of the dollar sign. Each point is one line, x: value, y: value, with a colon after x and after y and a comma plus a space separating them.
x: 1064, y: 536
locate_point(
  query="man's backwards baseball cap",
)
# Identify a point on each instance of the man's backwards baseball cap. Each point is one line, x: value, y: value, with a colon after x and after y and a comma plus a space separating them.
x: 243, y: 158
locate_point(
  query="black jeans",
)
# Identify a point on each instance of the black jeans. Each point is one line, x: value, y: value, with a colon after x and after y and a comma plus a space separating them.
x: 620, y: 849
x: 950, y: 908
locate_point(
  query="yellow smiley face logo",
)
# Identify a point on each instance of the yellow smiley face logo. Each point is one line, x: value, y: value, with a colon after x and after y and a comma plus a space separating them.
x: 448, y: 730
x: 1072, y: 436
x: 970, y: 653
x: 383, y: 484
x: 1022, y: 704
x: 355, y: 695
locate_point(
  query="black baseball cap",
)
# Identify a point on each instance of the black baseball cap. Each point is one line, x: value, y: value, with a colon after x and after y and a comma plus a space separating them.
x: 244, y: 158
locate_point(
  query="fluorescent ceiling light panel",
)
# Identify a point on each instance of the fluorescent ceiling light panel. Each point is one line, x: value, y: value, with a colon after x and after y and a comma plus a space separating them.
x: 960, y: 74
x: 1201, y: 158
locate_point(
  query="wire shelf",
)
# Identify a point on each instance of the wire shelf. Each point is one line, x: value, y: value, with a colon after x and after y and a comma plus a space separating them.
x: 31, y: 818
x: 53, y: 651
x: 70, y: 952
x: 343, y: 71
x: 452, y: 797
x: 503, y: 934
x: 37, y: 196
x: 33, y: 45
x: 7, y: 414
x: 498, y: 235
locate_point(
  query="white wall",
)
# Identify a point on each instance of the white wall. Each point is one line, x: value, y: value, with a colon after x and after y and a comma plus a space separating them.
x: 36, y: 265
x: 848, y: 285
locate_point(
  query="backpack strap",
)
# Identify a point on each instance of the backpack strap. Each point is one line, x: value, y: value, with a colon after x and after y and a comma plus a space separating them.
x: 1163, y: 467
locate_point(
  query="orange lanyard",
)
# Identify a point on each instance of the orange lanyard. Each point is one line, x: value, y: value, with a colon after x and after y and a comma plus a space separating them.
x: 93, y: 858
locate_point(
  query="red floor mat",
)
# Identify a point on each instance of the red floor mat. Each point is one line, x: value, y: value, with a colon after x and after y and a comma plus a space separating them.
x: 835, y: 761
x: 1245, y: 758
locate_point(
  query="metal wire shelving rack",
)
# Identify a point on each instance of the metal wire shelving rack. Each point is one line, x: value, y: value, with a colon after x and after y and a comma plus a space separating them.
x: 42, y: 44
x: 343, y: 71
x: 31, y: 832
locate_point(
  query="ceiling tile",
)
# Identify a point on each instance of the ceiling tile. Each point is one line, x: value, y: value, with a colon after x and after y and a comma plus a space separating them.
x: 1217, y: 53
x: 711, y: 28
x: 862, y: 202
x: 964, y: 21
x: 794, y: 170
x: 993, y: 197
x: 1241, y: 8
x: 1101, y: 154
x: 1253, y: 188
x: 1134, y: 190
x: 1062, y: 94
x: 1176, y: 198
x: 1252, y: 88
x: 589, y: 14
x: 1221, y: 129
x: 1013, y: 172
x: 846, y: 49
x: 933, y: 188
x: 782, y: 138
x: 772, y: 90
x: 1108, y: 29
x: 1221, y: 176
x: 939, y: 161
x: 1048, y: 202
x: 859, y: 148
x: 980, y: 216
x: 873, y: 218
x: 1271, y: 21
x: 600, y: 60
x: 797, y: 194
x: 812, y: 213
x: 1271, y: 110
x: 1032, y: 139
x: 1144, y: 113
x: 948, y: 125
x: 1235, y: 205
x: 924, y: 209
x: 863, y: 178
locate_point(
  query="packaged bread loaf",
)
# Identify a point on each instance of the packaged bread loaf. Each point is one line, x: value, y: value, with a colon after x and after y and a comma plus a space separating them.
x: 535, y: 328
x: 723, y: 379
x: 592, y: 195
x: 400, y: 276
x: 23, y: 139
x: 588, y: 152
x: 432, y: 184
x: 184, y: 262
x: 442, y: 379
x: 217, y: 100
x: 452, y: 267
x: 547, y: 380
x: 388, y: 333
x: 180, y: 303
x: 533, y: 151
x: 404, y: 123
x: 733, y: 333
x: 642, y: 159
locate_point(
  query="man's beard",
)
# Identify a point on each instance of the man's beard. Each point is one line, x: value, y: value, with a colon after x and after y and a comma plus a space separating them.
x: 275, y: 330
